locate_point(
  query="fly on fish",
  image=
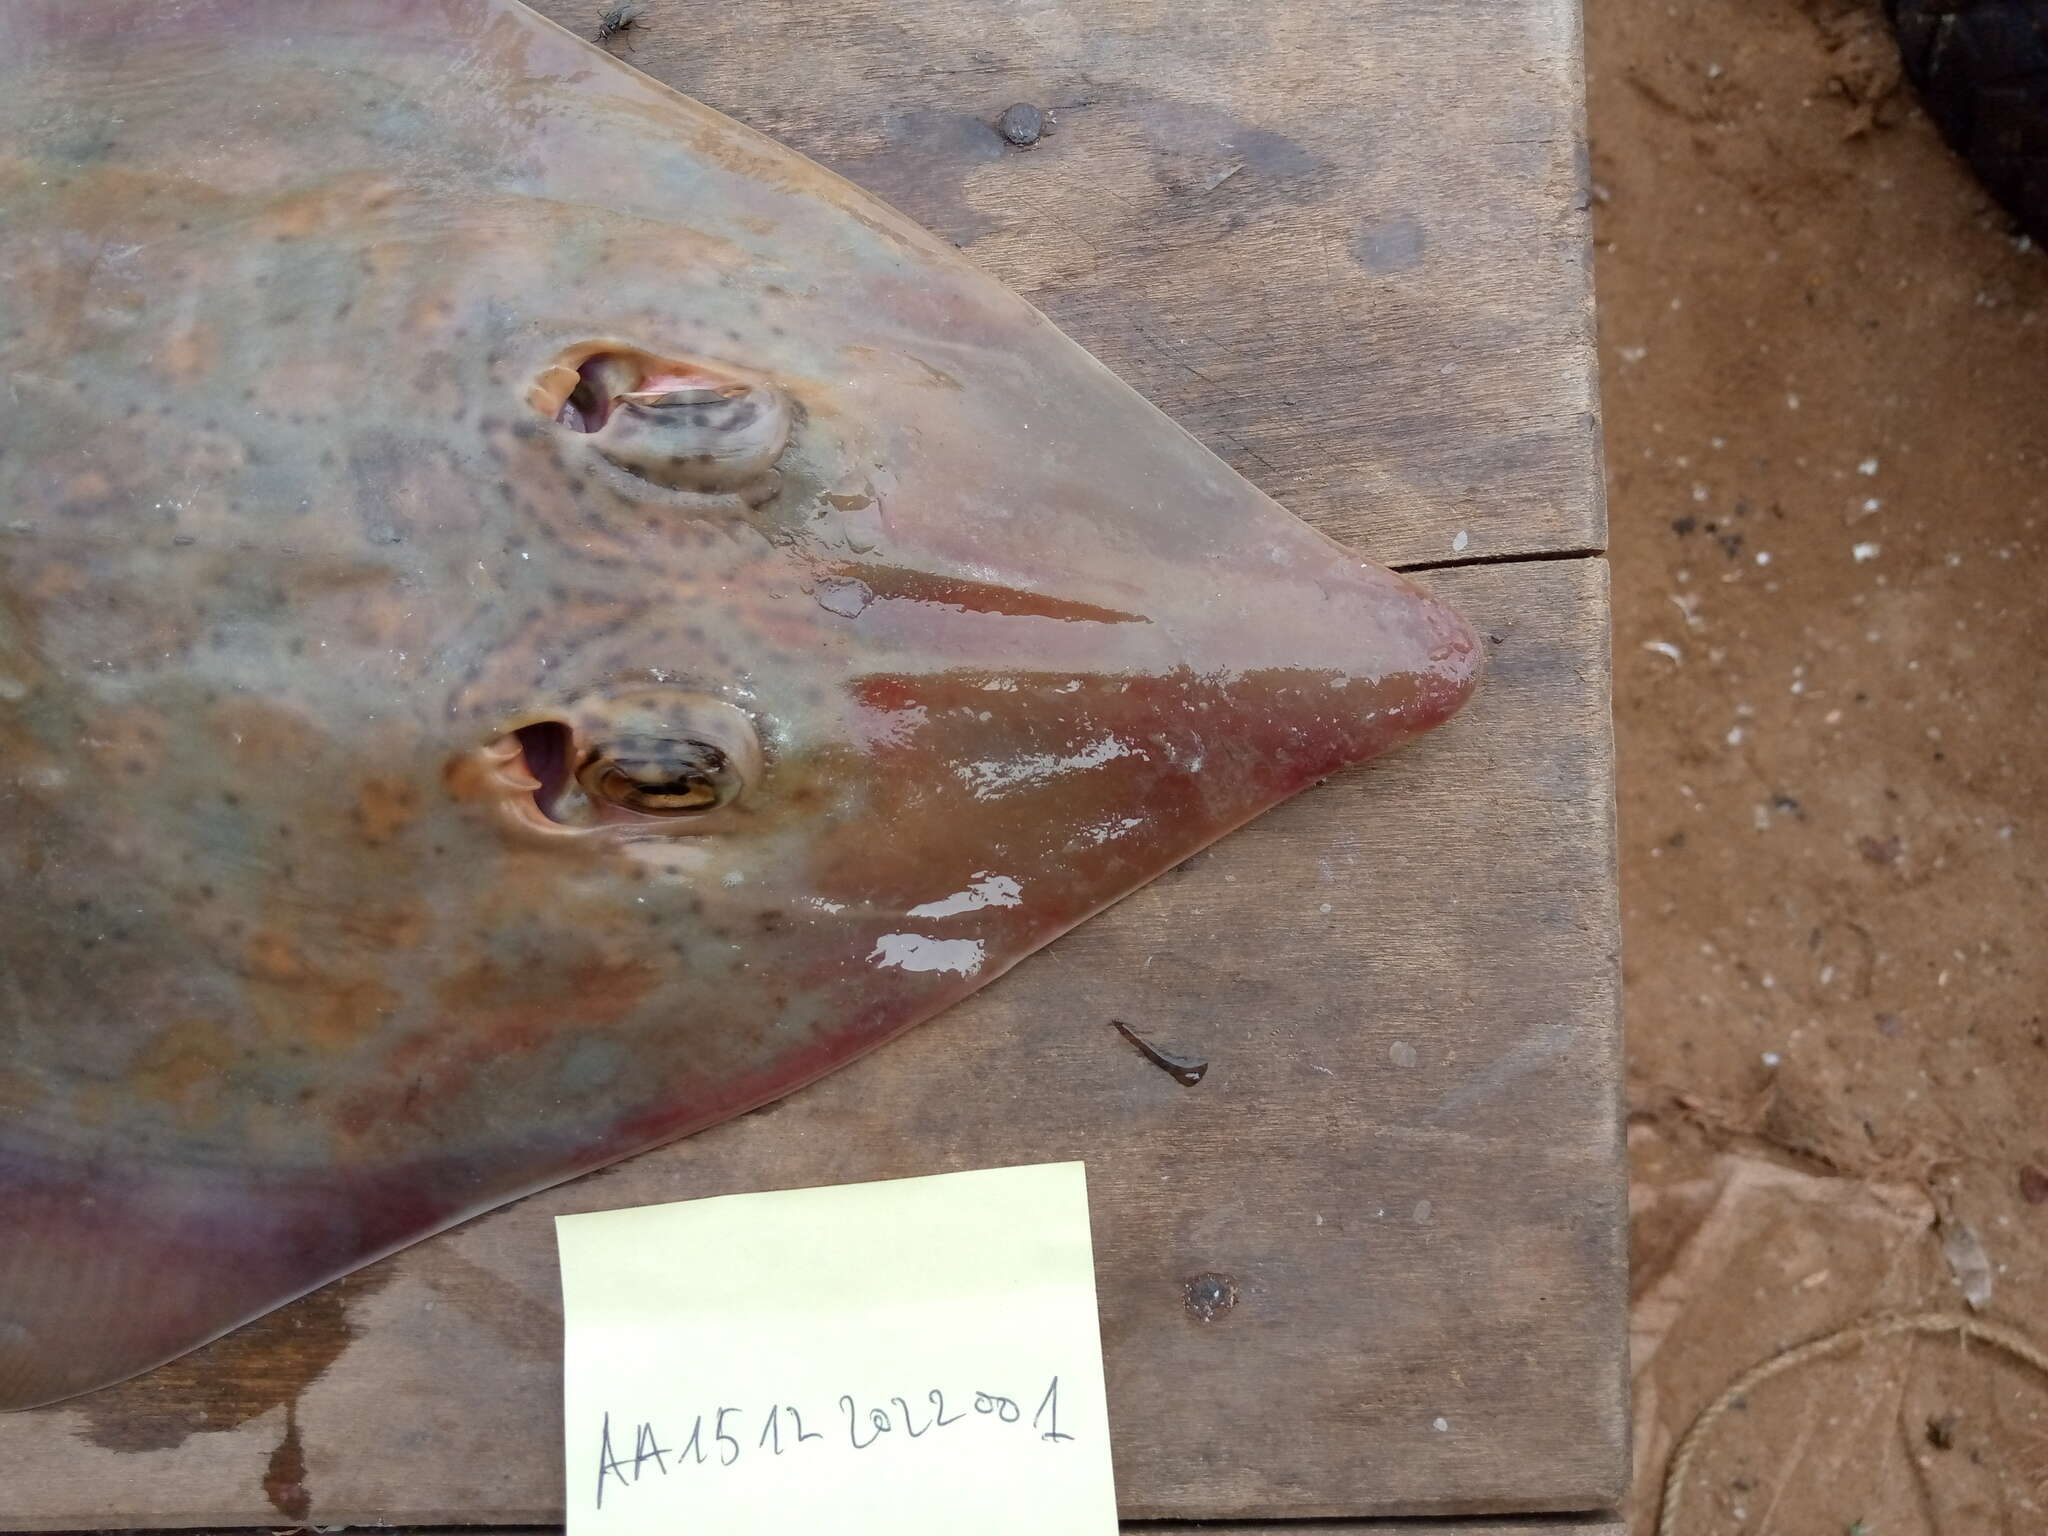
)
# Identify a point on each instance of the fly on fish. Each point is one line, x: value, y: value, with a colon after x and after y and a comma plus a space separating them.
x: 512, y: 652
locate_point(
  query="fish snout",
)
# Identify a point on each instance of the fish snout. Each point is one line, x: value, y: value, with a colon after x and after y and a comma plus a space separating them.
x: 1449, y: 660
x: 1407, y: 662
x: 1333, y: 668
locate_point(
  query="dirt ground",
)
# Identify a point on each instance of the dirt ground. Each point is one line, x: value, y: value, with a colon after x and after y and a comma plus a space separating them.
x: 1824, y: 357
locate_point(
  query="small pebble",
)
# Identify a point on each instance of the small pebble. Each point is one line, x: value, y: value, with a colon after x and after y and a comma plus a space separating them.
x: 1022, y: 124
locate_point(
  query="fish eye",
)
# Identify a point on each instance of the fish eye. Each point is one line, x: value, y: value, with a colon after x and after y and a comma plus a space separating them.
x: 685, y: 424
x: 662, y: 777
x: 643, y: 762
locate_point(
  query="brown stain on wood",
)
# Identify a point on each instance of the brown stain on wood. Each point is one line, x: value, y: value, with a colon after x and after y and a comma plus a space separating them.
x: 284, y: 1477
x: 238, y: 1377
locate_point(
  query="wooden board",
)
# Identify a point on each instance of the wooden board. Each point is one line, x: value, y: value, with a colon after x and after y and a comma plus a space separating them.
x: 1539, y: 1525
x: 1343, y: 242
x: 1531, y: 1527
x: 1534, y: 1526
x: 1404, y: 1162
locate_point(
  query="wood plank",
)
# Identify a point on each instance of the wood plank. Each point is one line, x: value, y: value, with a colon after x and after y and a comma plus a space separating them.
x: 1405, y: 1158
x: 1538, y: 1525
x: 1530, y: 1527
x: 1343, y: 243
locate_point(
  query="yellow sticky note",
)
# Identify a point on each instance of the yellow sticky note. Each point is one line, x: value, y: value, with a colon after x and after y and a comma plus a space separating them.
x: 919, y: 1358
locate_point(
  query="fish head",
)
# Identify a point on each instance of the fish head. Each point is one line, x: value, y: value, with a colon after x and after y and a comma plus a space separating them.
x: 1001, y: 644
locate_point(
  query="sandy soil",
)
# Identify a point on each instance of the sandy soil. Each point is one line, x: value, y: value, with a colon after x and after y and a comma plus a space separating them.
x: 1825, y: 363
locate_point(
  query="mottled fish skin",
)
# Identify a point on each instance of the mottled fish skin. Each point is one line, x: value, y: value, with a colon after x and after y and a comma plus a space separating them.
x: 343, y: 651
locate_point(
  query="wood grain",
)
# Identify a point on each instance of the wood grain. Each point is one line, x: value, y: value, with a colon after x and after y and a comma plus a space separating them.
x: 1539, y: 1525
x: 1405, y: 1158
x: 1344, y: 242
x: 1530, y: 1527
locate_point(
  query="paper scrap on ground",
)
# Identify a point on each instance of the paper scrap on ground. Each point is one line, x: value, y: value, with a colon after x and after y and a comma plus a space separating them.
x: 919, y: 1357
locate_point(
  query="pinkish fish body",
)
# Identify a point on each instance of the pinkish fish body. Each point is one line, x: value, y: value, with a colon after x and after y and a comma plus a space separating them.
x: 532, y: 621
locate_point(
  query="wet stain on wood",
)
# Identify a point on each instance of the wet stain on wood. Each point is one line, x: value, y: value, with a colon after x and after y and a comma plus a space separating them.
x: 236, y: 1378
x: 284, y: 1479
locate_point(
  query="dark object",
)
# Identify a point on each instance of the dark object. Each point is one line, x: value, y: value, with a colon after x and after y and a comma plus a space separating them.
x: 1023, y: 124
x: 1185, y: 1070
x: 2033, y: 1185
x: 1981, y: 67
x: 620, y: 18
x: 1208, y: 1296
x: 1941, y: 1431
